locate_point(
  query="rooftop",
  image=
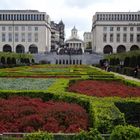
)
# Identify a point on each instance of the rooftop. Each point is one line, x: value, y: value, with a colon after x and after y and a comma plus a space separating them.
x: 19, y: 11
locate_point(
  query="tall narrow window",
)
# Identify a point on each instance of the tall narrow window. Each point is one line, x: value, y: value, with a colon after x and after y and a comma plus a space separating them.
x: 3, y: 37
x: 104, y: 37
x: 111, y: 37
x: 10, y: 37
x: 118, y: 37
x: 36, y: 37
x: 29, y: 37
x: 23, y: 37
x: 138, y: 37
x: 16, y: 37
x: 131, y: 37
x: 124, y: 37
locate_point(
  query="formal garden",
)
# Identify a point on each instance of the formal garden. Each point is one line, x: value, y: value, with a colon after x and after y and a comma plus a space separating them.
x: 67, y: 102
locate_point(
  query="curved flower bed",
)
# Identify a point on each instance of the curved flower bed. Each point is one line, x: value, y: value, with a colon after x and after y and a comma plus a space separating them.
x: 104, y: 89
x: 23, y: 114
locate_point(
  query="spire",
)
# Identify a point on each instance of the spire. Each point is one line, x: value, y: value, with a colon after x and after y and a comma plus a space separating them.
x: 74, y: 32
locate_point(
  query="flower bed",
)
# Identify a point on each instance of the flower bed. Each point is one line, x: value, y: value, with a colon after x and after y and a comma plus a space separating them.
x: 104, y: 89
x: 23, y: 114
x: 25, y: 84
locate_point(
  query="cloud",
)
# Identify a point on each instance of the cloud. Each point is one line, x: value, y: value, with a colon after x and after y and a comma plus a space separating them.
x: 78, y: 3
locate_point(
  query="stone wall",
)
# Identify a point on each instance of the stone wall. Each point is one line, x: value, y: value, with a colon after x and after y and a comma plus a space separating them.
x: 53, y: 58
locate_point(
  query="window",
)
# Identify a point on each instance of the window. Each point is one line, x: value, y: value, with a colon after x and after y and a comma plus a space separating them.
x: 104, y: 37
x: 29, y: 37
x: 36, y: 28
x: 131, y: 28
x: 124, y: 28
x: 36, y: 37
x: 138, y: 28
x: 23, y: 37
x: 138, y: 37
x: 3, y: 28
x: 111, y: 28
x: 10, y: 37
x: 105, y: 29
x: 118, y: 37
x: 124, y: 37
x: 16, y: 37
x: 16, y: 28
x: 29, y: 28
x: 10, y: 28
x: 111, y: 37
x: 118, y: 28
x: 3, y: 37
x: 23, y: 28
x: 131, y: 37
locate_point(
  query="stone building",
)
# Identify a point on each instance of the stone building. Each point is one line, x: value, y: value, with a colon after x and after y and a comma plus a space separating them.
x: 74, y: 45
x: 57, y: 35
x: 24, y: 31
x: 115, y: 32
x: 88, y: 41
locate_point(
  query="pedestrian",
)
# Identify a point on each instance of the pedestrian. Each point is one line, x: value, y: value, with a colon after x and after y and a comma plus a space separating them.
x: 136, y: 71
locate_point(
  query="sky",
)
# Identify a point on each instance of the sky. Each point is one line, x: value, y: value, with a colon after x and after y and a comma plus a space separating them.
x: 76, y: 13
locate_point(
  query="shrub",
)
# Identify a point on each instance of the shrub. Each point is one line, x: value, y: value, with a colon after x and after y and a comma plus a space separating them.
x: 131, y: 109
x: 125, y: 133
x: 93, y: 134
x: 39, y: 136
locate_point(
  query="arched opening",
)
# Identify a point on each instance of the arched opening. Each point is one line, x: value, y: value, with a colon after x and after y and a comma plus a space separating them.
x: 33, y: 61
x: 80, y: 62
x: 20, y: 49
x: 9, y: 61
x: 56, y: 61
x: 60, y: 62
x: 33, y: 49
x: 73, y: 62
x: 108, y: 49
x: 134, y: 47
x: 63, y: 61
x: 77, y: 61
x: 121, y: 49
x: 3, y: 60
x: 67, y: 62
x: 13, y: 60
x: 7, y: 48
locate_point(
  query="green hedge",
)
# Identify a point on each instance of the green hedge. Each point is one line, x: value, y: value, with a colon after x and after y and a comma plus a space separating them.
x: 39, y: 136
x: 131, y: 109
x: 125, y: 133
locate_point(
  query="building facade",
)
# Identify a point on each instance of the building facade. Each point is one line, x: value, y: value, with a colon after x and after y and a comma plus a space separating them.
x: 88, y: 41
x: 74, y: 45
x: 115, y: 32
x: 57, y: 35
x: 24, y: 31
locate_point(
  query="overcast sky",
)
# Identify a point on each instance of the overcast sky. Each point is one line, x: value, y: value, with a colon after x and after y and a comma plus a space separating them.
x: 73, y: 12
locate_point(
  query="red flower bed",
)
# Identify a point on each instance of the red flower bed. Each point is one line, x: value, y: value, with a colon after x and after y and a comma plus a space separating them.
x: 23, y: 114
x: 104, y: 89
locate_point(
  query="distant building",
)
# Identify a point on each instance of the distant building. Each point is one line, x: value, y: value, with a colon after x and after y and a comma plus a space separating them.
x: 24, y: 31
x: 57, y: 35
x: 88, y: 42
x: 115, y: 32
x: 74, y: 45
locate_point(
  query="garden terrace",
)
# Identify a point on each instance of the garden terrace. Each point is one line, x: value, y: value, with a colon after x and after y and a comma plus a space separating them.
x: 104, y: 112
x: 52, y: 71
